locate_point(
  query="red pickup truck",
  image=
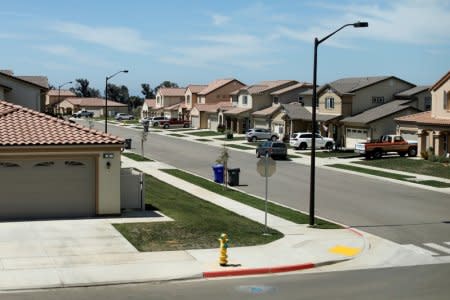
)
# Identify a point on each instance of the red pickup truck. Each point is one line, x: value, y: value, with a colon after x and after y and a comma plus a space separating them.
x: 387, y: 143
x: 174, y: 122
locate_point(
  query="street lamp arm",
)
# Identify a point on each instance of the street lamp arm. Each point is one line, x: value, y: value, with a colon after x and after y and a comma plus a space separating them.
x: 111, y: 76
x: 333, y: 33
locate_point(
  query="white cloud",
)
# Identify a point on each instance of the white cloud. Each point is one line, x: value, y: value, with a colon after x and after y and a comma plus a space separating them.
x: 412, y: 22
x: 235, y: 49
x: 219, y: 19
x: 73, y: 55
x: 118, y: 38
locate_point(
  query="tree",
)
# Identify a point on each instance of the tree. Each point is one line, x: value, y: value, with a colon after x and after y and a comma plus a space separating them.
x: 135, y: 101
x: 167, y: 84
x: 82, y: 89
x: 147, y: 91
x: 118, y: 93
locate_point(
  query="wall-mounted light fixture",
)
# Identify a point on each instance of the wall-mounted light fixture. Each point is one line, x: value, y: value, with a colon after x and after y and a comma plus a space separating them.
x: 108, y: 165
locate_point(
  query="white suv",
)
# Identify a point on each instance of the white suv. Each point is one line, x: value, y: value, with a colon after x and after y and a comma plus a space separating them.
x: 302, y: 140
x: 255, y: 134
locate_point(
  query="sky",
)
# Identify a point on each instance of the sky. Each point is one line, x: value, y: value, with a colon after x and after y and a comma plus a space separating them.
x: 196, y: 42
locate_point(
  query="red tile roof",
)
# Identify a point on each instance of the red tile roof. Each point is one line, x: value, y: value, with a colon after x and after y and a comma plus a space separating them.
x: 172, y: 92
x: 20, y: 126
x: 424, y: 118
x: 196, y: 88
x: 213, y: 107
x: 216, y: 84
x: 150, y: 102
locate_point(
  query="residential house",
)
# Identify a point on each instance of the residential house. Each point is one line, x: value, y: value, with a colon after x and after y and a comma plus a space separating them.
x: 28, y: 91
x: 68, y: 170
x: 420, y: 97
x: 349, y: 97
x: 191, y: 97
x: 291, y: 94
x: 95, y: 105
x: 167, y: 97
x: 209, y: 115
x: 249, y: 99
x: 432, y: 127
x: 148, y: 108
x: 217, y: 91
x: 54, y: 97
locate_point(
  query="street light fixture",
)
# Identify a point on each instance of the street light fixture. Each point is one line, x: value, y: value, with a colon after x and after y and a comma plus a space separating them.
x: 59, y: 93
x: 106, y: 96
x: 314, y: 123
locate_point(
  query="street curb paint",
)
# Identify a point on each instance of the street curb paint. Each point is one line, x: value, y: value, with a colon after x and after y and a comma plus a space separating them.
x: 256, y: 271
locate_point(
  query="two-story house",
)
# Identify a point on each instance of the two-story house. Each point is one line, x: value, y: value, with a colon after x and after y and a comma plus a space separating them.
x: 432, y: 127
x: 266, y: 117
x: 215, y: 96
x: 167, y: 99
x: 249, y: 99
x: 148, y: 108
x: 349, y: 97
x: 28, y: 91
x: 54, y: 97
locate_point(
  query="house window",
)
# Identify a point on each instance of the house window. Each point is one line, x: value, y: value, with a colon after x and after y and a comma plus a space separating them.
x: 300, y: 100
x: 72, y: 163
x: 427, y: 103
x: 329, y: 103
x: 8, y: 165
x: 446, y: 100
x: 44, y: 164
x: 188, y: 99
x: 275, y: 100
x: 377, y: 100
x: 158, y: 100
x: 244, y: 100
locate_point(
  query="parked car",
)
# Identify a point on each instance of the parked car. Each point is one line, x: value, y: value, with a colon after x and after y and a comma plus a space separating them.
x: 255, y: 134
x: 123, y: 116
x: 174, y: 122
x: 303, y: 140
x: 83, y: 113
x: 156, y: 121
x: 273, y: 148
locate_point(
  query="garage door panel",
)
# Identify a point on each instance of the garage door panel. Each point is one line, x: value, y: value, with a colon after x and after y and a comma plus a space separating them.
x: 45, y: 188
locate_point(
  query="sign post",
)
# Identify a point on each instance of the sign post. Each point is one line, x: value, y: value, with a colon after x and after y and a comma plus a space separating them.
x: 266, y: 167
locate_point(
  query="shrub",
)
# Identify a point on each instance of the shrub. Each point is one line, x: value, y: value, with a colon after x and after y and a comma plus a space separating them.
x: 221, y: 128
x: 424, y: 155
x: 229, y: 134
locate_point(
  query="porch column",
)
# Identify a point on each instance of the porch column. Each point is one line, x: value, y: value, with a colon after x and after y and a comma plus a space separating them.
x: 438, y: 143
x: 421, y: 141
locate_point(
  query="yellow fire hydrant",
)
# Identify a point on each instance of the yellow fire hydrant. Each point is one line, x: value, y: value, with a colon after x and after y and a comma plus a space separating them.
x: 223, y: 259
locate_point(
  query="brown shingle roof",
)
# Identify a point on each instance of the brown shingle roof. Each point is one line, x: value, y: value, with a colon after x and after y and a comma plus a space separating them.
x: 225, y: 105
x: 379, y: 112
x: 353, y: 84
x: 64, y: 93
x: 20, y: 126
x: 172, y: 92
x: 39, y: 81
x: 196, y: 88
x: 296, y: 111
x: 413, y: 91
x: 292, y: 87
x: 92, y: 102
x: 215, y: 85
x: 150, y: 102
x: 424, y: 118
x: 236, y: 111
x: 266, y: 111
x: 264, y: 86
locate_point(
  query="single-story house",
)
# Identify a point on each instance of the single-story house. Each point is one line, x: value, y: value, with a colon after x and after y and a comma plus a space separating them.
x: 54, y: 97
x: 51, y: 168
x: 95, y: 105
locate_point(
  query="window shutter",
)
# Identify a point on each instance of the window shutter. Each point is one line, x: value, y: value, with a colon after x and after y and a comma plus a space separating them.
x: 445, y: 100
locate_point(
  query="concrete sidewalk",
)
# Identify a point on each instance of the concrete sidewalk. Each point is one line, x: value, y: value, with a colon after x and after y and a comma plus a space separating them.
x: 63, y: 253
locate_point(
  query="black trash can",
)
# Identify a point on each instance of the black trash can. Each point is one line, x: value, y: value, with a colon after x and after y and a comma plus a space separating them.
x: 127, y: 143
x: 233, y: 176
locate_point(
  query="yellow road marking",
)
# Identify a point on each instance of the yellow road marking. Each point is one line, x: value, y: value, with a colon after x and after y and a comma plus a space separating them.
x: 348, y: 251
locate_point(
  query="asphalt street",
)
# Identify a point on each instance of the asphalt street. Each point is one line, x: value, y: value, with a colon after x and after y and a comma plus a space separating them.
x: 419, y: 282
x: 400, y: 213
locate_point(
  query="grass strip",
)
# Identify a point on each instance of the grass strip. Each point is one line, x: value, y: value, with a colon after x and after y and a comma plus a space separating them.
x: 203, y: 140
x: 338, y: 154
x: 176, y: 135
x: 240, y: 138
x: 135, y: 156
x: 205, y: 133
x: 198, y: 223
x: 272, y: 208
x: 402, y: 177
x: 239, y: 147
x: 417, y: 166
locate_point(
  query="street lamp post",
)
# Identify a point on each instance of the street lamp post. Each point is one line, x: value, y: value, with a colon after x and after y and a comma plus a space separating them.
x: 314, y: 122
x: 106, y: 96
x: 59, y: 93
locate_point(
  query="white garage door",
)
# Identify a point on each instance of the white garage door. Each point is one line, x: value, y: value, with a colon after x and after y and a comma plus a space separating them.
x: 47, y: 188
x: 213, y: 122
x: 409, y: 135
x: 354, y: 136
x: 195, y: 122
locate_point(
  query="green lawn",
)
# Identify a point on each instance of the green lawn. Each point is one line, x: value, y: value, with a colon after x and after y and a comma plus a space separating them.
x: 418, y: 166
x: 198, y: 223
x: 391, y: 175
x: 203, y: 140
x: 135, y: 156
x: 339, y: 154
x: 205, y: 133
x: 239, y: 138
x: 258, y: 203
x: 176, y: 135
x: 239, y: 147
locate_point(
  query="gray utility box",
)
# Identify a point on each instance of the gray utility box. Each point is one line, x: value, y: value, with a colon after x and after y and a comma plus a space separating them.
x: 131, y: 189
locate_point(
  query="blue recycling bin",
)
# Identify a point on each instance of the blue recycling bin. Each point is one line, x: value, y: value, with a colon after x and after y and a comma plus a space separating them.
x: 218, y: 173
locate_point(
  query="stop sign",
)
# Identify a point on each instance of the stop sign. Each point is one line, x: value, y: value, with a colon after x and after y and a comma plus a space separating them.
x: 261, y: 167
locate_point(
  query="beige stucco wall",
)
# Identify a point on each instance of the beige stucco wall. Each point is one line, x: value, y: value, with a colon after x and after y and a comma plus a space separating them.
x: 249, y: 100
x: 337, y: 103
x: 388, y: 88
x: 220, y: 94
x: 291, y: 96
x: 261, y: 101
x: 170, y: 100
x: 388, y: 125
x: 109, y: 184
x: 439, y: 96
x: 421, y: 97
x: 22, y: 93
x: 189, y: 94
x: 2, y: 93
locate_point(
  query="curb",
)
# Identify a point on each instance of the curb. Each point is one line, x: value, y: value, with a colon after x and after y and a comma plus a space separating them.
x: 257, y: 271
